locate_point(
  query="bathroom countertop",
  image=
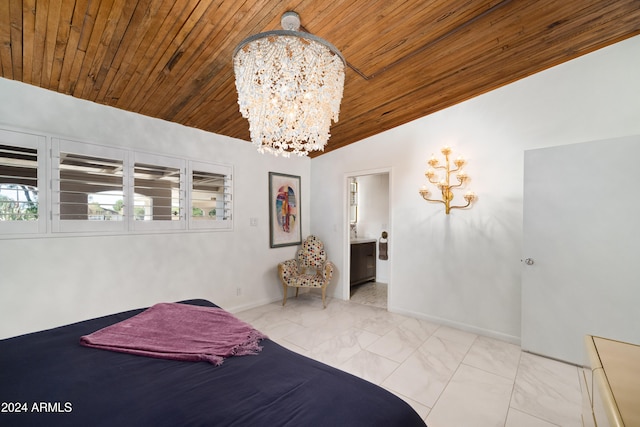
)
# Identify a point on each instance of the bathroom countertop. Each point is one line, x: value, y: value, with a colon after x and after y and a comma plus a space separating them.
x: 357, y: 241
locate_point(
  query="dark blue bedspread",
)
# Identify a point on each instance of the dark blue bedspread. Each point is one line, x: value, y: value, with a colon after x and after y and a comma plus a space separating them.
x: 48, y: 379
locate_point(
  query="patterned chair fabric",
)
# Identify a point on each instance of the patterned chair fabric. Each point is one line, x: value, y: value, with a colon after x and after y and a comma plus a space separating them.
x: 309, y: 269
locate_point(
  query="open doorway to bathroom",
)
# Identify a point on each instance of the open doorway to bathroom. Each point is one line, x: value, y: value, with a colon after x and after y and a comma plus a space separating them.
x: 368, y: 219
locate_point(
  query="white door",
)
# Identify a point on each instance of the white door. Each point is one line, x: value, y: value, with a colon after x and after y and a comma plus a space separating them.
x: 582, y: 240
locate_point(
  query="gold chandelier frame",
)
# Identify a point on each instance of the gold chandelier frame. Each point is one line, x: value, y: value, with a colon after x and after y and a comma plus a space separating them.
x: 444, y: 184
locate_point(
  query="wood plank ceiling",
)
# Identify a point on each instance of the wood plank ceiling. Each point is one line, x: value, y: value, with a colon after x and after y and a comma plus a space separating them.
x: 172, y: 59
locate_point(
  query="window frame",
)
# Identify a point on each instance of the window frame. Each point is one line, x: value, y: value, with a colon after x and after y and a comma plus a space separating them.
x: 163, y: 161
x: 37, y: 142
x: 227, y: 171
x: 49, y: 224
x: 59, y: 225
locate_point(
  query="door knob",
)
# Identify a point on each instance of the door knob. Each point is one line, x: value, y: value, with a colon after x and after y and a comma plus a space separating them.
x: 528, y: 261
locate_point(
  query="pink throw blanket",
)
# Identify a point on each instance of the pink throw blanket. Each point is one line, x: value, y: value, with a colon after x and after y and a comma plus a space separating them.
x: 179, y: 332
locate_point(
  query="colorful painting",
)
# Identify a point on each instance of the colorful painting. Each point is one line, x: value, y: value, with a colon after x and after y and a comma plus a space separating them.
x: 284, y: 210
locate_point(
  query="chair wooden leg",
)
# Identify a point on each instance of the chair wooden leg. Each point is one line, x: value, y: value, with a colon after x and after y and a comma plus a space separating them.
x: 284, y: 300
x: 297, y: 289
x: 324, y: 292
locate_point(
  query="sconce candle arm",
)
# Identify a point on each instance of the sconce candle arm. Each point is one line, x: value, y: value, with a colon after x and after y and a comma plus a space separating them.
x: 461, y: 207
x: 425, y: 196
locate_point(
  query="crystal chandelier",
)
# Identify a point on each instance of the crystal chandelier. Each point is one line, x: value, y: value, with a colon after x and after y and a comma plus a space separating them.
x: 444, y: 182
x: 289, y: 87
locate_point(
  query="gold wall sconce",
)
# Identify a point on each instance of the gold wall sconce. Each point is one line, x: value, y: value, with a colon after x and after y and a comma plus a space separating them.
x: 444, y: 182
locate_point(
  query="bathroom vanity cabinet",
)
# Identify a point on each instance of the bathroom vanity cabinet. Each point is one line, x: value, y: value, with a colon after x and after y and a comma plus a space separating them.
x: 363, y: 261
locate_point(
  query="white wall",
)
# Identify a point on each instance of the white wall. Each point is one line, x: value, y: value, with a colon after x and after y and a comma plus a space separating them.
x: 464, y: 269
x: 49, y: 281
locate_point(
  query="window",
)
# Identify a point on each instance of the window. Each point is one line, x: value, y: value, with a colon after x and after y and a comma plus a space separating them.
x: 88, y: 187
x: 100, y: 189
x: 210, y: 196
x: 19, y: 185
x: 158, y: 186
x: 21, y: 178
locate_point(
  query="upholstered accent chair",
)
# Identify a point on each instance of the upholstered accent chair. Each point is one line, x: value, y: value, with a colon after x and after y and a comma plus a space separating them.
x: 309, y: 269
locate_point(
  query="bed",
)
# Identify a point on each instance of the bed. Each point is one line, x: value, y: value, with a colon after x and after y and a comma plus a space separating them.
x: 48, y: 378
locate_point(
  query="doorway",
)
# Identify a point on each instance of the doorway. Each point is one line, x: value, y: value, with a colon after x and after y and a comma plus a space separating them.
x: 367, y: 216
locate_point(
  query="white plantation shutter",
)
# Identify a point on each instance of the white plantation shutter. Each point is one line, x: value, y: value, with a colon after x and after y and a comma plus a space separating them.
x: 56, y: 185
x: 88, y: 187
x: 22, y: 183
x: 158, y: 193
x: 210, y: 196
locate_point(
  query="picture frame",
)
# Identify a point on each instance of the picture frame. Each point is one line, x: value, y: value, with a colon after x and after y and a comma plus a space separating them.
x: 285, y: 225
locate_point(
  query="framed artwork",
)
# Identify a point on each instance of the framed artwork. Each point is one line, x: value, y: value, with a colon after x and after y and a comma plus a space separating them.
x: 284, y: 210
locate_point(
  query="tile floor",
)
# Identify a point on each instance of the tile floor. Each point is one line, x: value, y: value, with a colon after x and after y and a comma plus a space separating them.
x: 370, y: 293
x: 452, y: 378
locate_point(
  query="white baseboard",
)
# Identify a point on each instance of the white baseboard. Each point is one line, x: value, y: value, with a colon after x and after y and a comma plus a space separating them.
x: 512, y: 339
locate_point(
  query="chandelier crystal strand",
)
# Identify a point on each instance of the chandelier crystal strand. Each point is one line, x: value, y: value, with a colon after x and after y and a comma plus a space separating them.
x: 289, y: 85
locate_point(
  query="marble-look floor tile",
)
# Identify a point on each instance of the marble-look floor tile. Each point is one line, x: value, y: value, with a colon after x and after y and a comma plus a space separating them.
x: 427, y: 371
x: 549, y: 390
x: 370, y: 293
x: 345, y: 317
x: 473, y: 397
x: 263, y: 317
x: 309, y: 337
x: 397, y: 345
x: 438, y: 370
x: 381, y: 322
x: 494, y: 356
x: 419, y: 329
x: 516, y: 418
x: 308, y: 316
x: 457, y: 335
x: 403, y: 339
x: 341, y: 348
x: 370, y: 366
x: 280, y: 329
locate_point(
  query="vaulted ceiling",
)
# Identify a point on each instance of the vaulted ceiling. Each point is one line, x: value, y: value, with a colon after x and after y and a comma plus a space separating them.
x: 172, y: 59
